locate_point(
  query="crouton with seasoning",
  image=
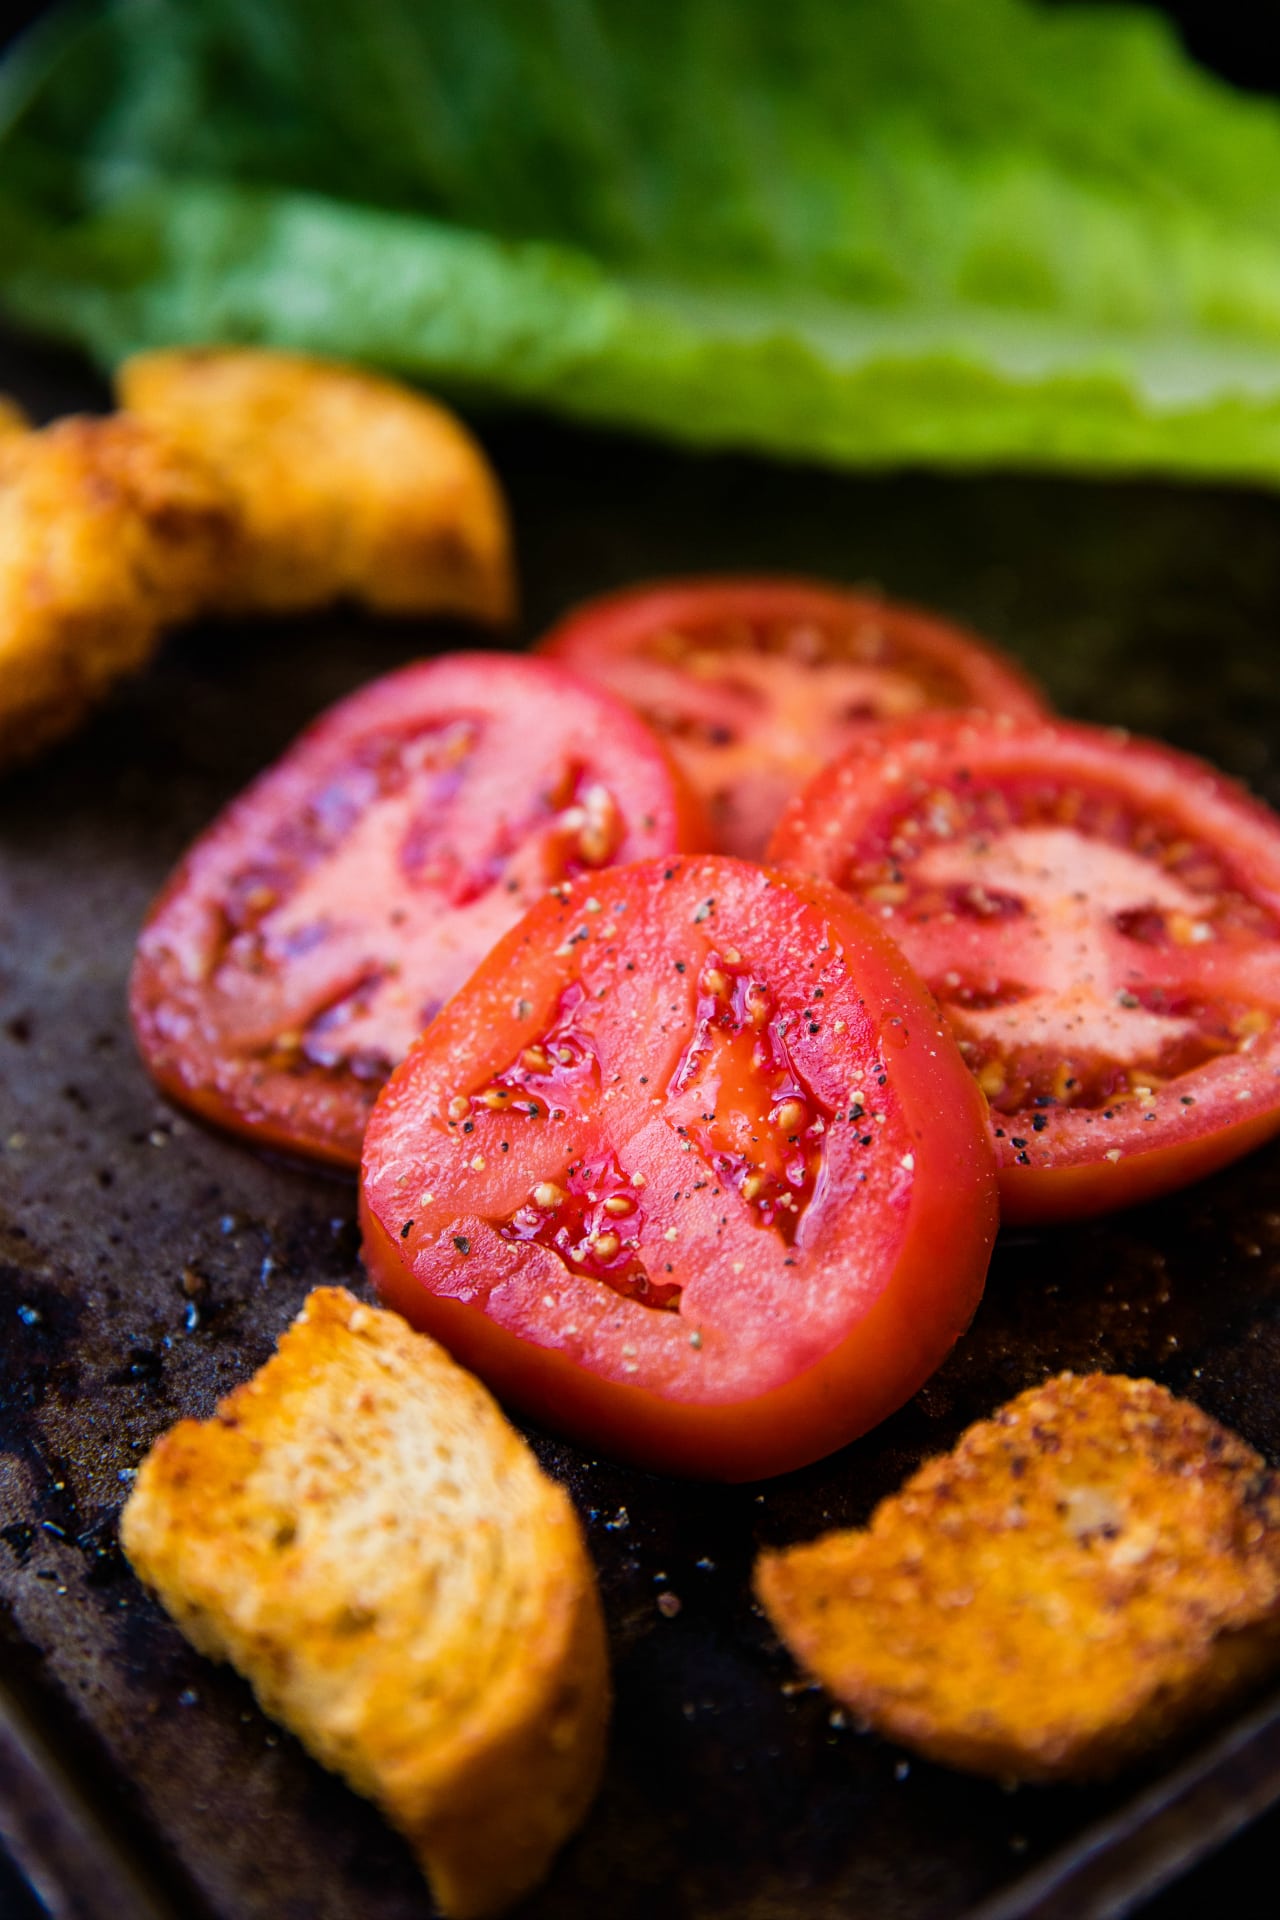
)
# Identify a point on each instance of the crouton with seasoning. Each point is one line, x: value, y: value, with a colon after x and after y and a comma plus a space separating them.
x: 362, y: 1535
x: 1086, y: 1572
x: 106, y: 533
x: 350, y: 486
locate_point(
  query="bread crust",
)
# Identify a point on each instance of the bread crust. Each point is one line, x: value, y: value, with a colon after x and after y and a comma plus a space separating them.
x: 107, y: 532
x: 349, y: 485
x: 12, y: 419
x: 1084, y: 1574
x: 360, y: 1532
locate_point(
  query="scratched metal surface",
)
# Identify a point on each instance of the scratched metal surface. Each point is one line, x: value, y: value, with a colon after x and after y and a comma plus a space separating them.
x: 147, y: 1265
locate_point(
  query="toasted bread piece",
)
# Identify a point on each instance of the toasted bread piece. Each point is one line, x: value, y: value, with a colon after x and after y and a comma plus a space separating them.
x: 362, y: 1535
x: 351, y: 486
x: 12, y: 418
x: 1086, y: 1572
x: 106, y: 532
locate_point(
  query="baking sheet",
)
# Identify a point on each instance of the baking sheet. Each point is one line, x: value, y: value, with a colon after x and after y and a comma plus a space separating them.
x: 147, y: 1264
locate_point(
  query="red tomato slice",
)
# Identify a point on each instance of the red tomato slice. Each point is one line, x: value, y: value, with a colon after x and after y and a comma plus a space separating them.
x: 329, y: 912
x: 689, y: 1169
x: 756, y: 684
x: 1099, y: 918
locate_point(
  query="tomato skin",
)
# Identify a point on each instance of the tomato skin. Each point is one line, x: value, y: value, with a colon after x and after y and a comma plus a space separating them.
x: 750, y: 1375
x: 204, y: 1021
x: 751, y: 733
x: 1036, y: 1196
x: 1063, y: 1162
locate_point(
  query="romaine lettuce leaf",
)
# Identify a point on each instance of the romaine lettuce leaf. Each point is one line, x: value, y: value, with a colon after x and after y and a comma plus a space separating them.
x: 883, y: 231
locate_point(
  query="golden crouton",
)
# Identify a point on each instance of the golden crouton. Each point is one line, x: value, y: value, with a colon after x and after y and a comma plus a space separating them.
x: 350, y: 486
x: 106, y: 532
x: 1088, y: 1571
x: 361, y: 1534
x: 12, y: 418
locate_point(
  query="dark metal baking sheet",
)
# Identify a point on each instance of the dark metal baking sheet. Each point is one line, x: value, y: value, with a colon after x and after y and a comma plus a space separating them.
x: 147, y: 1265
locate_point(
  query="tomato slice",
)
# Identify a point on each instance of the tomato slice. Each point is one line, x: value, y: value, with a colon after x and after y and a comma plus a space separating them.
x: 756, y: 683
x: 689, y: 1169
x: 329, y: 912
x: 1099, y: 918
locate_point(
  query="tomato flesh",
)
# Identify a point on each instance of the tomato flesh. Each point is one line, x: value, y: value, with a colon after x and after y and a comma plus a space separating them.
x: 756, y: 684
x: 1099, y: 919
x: 330, y: 912
x: 689, y: 1168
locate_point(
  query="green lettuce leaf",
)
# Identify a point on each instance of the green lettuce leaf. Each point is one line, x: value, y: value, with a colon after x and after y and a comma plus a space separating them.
x: 871, y: 231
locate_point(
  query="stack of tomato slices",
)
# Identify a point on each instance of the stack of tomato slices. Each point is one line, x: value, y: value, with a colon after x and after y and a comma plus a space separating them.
x: 697, y: 1159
